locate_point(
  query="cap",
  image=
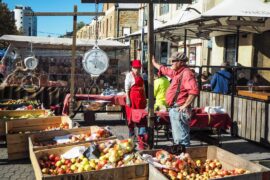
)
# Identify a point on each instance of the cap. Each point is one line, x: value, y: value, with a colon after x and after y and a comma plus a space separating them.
x: 179, y: 56
x: 136, y: 64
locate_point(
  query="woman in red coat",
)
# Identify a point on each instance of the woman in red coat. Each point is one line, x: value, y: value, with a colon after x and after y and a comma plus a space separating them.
x: 136, y: 99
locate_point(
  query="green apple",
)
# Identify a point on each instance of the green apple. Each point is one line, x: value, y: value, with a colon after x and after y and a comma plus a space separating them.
x: 64, y: 167
x: 58, y: 163
x: 73, y: 160
x: 63, y: 161
x: 73, y: 167
x: 80, y: 169
x: 87, y: 167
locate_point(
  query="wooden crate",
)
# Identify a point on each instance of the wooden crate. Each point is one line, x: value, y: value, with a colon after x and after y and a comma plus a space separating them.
x: 135, y: 172
x: 15, y: 114
x: 228, y: 160
x: 17, y: 143
x: 47, y: 136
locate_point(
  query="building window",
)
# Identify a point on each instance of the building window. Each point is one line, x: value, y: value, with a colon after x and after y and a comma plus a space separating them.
x: 111, y: 24
x: 230, y: 42
x: 164, y: 9
x: 126, y: 31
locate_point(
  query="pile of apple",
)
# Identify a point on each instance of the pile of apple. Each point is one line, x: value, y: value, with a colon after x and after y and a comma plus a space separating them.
x: 100, y: 134
x: 63, y: 125
x: 113, y: 153
x: 186, y: 168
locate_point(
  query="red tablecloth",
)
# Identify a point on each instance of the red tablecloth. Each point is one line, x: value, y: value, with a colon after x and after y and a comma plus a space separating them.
x: 117, y: 100
x: 200, y: 119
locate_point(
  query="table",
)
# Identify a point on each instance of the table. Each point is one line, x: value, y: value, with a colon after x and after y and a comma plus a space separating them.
x: 116, y: 99
x: 200, y: 120
x: 256, y: 88
x: 255, y: 94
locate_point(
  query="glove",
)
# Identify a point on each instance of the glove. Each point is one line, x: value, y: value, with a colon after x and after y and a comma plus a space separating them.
x: 127, y: 101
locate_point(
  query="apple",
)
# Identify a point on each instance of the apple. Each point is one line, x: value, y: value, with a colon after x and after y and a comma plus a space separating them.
x: 61, y: 171
x: 67, y: 161
x: 87, y: 167
x: 73, y: 167
x: 58, y: 163
x: 68, y: 171
x: 64, y: 167
x: 73, y: 160
x: 51, y: 157
x: 63, y: 161
x: 69, y: 165
x: 80, y: 169
x: 57, y: 158
x: 45, y: 158
x: 45, y: 171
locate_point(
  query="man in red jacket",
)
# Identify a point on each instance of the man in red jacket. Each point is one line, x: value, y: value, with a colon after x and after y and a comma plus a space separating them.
x: 179, y: 96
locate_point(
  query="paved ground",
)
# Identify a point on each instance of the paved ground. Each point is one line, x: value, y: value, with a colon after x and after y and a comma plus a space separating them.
x: 23, y: 169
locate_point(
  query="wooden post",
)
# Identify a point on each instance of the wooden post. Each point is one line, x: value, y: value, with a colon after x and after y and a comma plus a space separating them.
x: 150, y: 37
x: 73, y: 63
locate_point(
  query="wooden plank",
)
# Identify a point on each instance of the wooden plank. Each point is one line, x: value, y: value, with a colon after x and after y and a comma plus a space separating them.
x: 268, y: 125
x: 210, y: 102
x: 229, y: 100
x: 256, y: 95
x: 243, y: 117
x: 48, y: 136
x: 235, y: 111
x: 240, y: 109
x: 21, y: 147
x: 221, y: 101
x: 253, y: 120
x: 263, y: 122
x: 15, y: 156
x: 248, y: 120
x: 258, y: 122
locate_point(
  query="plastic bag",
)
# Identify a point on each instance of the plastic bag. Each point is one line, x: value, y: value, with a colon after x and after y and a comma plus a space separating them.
x: 92, y: 152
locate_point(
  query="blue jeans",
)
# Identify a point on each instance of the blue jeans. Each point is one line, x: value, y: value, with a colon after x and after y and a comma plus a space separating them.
x: 180, y: 126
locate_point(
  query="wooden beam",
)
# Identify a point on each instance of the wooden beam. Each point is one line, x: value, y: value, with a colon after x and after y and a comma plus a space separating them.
x: 73, y: 63
x: 139, y: 1
x: 150, y: 38
x: 64, y: 14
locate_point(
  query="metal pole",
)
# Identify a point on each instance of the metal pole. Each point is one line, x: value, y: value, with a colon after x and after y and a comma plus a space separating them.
x: 185, y: 42
x: 73, y: 63
x: 237, y: 43
x: 142, y: 37
x: 150, y: 37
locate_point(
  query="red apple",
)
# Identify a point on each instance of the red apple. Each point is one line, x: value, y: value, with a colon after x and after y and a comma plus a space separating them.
x: 69, y: 165
x: 67, y: 161
x: 68, y: 171
x: 57, y: 158
x: 61, y: 171
x: 52, y: 157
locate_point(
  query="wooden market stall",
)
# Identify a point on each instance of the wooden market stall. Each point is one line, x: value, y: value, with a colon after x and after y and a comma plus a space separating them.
x: 54, y: 67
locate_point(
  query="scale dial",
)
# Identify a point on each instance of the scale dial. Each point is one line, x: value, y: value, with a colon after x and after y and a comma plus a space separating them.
x: 95, y: 62
x: 31, y: 62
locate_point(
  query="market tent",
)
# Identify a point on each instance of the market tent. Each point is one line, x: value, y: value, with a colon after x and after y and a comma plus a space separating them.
x: 239, y: 16
x: 249, y: 15
x: 63, y: 43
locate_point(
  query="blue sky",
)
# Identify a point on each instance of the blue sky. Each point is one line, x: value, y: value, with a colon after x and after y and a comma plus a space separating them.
x: 54, y: 26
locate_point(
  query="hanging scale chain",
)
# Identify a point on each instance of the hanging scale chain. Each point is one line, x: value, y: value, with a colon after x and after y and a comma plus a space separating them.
x: 96, y: 35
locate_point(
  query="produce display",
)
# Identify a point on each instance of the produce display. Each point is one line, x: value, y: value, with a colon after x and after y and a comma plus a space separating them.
x: 64, y: 125
x: 28, y: 116
x: 18, y: 102
x: 110, y: 154
x: 184, y: 167
x: 73, y: 138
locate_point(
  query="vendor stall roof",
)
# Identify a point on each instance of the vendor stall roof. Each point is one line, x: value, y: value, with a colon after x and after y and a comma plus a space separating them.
x: 54, y: 43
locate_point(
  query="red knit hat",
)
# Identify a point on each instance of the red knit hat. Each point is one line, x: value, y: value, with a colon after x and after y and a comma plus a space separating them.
x: 136, y: 64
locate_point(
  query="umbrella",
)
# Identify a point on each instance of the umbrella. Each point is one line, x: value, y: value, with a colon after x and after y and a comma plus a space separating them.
x: 238, y: 15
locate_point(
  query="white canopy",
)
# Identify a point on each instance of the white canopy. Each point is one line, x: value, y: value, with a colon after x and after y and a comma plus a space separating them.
x: 244, y: 8
x: 49, y: 42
